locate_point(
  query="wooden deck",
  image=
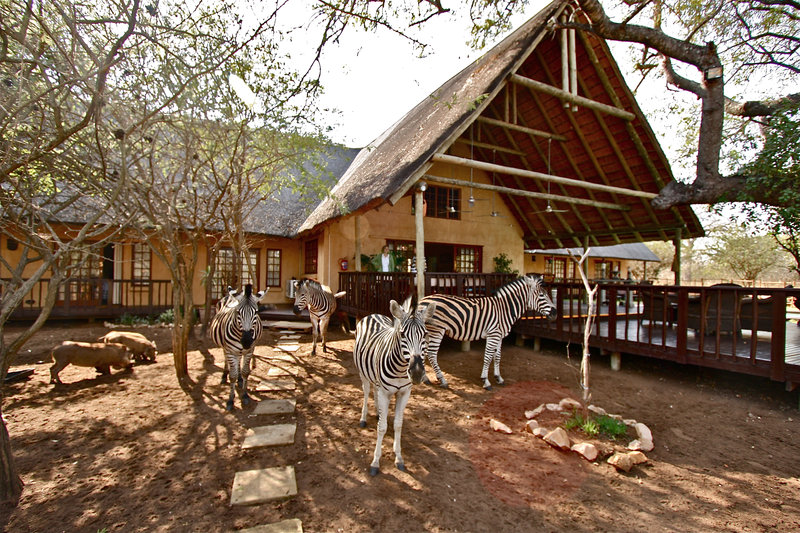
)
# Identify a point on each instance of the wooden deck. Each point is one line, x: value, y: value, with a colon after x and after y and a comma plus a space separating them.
x: 625, y: 329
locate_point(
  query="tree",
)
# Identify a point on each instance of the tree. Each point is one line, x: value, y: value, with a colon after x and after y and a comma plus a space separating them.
x: 82, y: 83
x: 747, y: 255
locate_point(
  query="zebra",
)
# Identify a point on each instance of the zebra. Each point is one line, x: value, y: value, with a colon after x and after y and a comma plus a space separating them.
x: 487, y: 317
x: 235, y: 328
x: 321, y: 304
x: 389, y: 355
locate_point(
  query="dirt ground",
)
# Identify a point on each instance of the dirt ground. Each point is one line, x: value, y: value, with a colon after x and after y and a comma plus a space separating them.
x: 133, y: 452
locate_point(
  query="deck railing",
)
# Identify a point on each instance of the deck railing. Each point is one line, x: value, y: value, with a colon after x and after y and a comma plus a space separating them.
x: 99, y: 298
x: 370, y: 292
x: 742, y: 329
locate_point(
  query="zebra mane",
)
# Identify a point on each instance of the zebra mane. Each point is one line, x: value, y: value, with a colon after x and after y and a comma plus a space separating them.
x: 512, y: 287
x: 317, y: 285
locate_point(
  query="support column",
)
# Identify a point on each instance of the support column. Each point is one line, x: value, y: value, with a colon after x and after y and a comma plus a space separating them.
x: 420, y: 231
x: 357, y: 224
x: 616, y: 361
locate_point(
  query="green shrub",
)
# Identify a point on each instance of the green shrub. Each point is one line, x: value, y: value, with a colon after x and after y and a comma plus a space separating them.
x: 592, y: 427
x: 611, y: 427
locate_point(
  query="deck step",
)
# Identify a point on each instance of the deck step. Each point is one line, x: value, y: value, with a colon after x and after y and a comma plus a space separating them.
x: 252, y: 487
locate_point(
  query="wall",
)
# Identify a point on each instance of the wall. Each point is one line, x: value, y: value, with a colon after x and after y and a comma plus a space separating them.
x: 397, y: 222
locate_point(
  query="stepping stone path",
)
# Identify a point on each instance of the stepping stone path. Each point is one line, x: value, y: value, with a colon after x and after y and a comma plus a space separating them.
x: 252, y: 487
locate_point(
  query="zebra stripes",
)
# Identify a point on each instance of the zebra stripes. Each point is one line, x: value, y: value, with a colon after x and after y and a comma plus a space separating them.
x: 389, y: 357
x: 235, y: 328
x: 490, y: 318
x: 321, y: 304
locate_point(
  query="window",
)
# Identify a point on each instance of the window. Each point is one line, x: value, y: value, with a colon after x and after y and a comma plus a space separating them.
x: 604, y: 269
x: 141, y: 262
x: 273, y: 268
x: 468, y: 259
x: 555, y: 268
x: 226, y: 272
x: 443, y: 202
x: 88, y: 264
x: 310, y: 257
x: 404, y: 251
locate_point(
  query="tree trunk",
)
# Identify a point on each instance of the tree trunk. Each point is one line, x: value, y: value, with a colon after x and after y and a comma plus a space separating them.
x: 10, y: 482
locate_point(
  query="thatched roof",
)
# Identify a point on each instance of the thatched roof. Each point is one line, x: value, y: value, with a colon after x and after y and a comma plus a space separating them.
x: 592, y: 148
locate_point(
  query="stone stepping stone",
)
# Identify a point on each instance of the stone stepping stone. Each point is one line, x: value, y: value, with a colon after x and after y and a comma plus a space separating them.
x: 289, y: 337
x: 274, y: 435
x: 283, y: 357
x: 251, y: 487
x: 287, y: 348
x: 288, y: 325
x: 293, y: 525
x: 275, y: 407
x: 292, y: 342
x: 277, y: 372
x: 276, y: 385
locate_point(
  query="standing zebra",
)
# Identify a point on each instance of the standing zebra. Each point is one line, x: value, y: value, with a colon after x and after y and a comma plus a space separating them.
x: 389, y: 355
x: 321, y: 304
x: 488, y: 317
x: 235, y: 328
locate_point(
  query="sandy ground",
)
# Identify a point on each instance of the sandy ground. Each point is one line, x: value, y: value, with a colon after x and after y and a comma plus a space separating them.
x: 133, y: 452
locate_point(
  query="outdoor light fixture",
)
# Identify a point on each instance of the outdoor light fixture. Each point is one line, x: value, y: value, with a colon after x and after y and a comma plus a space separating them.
x: 712, y: 73
x: 422, y: 187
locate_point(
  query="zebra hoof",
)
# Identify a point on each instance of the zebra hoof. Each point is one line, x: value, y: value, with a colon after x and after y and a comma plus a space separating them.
x: 401, y: 467
x: 487, y: 387
x: 362, y: 423
x: 374, y: 471
x: 444, y: 385
x: 245, y: 401
x: 229, y: 405
x: 426, y: 381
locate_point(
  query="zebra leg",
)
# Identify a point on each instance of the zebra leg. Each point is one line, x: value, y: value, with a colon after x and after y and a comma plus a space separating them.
x: 382, y: 398
x: 488, y: 356
x: 233, y: 367
x: 244, y: 397
x: 314, y: 332
x: 399, y: 407
x: 498, y: 379
x: 365, y: 407
x: 323, y: 328
x: 434, y: 341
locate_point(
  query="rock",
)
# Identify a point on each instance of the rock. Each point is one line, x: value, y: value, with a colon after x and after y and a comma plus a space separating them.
x: 641, y: 444
x: 643, y: 432
x: 629, y: 422
x: 626, y: 461
x: 597, y: 410
x: 558, y: 438
x: 531, y: 425
x: 621, y: 461
x: 498, y: 426
x: 540, y: 432
x: 586, y: 449
x: 568, y: 404
x: 553, y: 407
x: 536, y: 412
x: 637, y: 457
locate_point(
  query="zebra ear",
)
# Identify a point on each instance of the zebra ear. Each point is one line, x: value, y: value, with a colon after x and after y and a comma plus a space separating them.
x: 397, y: 310
x: 425, y: 311
x: 260, y: 294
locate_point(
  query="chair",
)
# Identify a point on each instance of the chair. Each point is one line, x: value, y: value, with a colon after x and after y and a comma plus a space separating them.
x: 717, y: 311
x: 658, y: 307
x: 756, y: 309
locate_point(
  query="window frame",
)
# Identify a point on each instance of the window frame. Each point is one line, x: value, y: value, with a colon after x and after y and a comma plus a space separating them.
x: 311, y: 256
x: 271, y: 272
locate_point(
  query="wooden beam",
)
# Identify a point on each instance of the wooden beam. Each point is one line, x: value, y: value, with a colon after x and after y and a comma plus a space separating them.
x: 567, y: 97
x: 491, y: 167
x: 529, y: 194
x: 491, y: 147
x: 521, y: 129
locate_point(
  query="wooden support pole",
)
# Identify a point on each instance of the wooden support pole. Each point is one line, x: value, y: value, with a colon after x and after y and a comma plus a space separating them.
x: 512, y: 171
x: 419, y: 221
x: 522, y: 129
x: 357, y: 228
x: 676, y: 263
x: 571, y: 98
x: 529, y: 194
